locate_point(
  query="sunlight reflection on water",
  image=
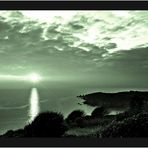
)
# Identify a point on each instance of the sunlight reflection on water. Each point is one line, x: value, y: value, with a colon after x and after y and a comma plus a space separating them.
x: 34, y: 106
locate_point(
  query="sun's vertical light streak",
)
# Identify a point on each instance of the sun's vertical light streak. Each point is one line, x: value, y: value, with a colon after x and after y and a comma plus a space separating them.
x: 34, y: 104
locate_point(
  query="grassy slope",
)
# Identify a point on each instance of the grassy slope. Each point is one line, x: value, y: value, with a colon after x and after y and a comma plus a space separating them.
x: 83, y: 132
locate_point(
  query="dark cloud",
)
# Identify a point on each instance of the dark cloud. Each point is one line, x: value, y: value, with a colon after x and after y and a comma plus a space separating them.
x: 134, y: 59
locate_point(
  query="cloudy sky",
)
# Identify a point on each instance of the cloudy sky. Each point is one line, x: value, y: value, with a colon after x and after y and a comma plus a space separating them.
x: 100, y: 48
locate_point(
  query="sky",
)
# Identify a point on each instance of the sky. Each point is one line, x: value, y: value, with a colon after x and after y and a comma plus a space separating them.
x: 73, y: 53
x: 101, y: 48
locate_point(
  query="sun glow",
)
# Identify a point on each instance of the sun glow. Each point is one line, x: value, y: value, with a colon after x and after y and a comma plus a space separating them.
x: 34, y: 77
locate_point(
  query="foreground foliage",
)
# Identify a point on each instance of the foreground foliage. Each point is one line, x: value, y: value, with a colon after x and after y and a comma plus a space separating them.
x: 135, y: 126
x: 46, y: 124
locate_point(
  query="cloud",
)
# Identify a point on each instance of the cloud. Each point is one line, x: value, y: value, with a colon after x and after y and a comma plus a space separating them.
x: 71, y: 44
x: 103, y: 29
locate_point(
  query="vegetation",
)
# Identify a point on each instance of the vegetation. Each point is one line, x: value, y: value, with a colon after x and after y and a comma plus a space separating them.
x: 135, y: 126
x: 136, y: 105
x: 99, y: 112
x: 83, y: 132
x: 47, y: 124
x: 133, y: 122
x: 75, y: 117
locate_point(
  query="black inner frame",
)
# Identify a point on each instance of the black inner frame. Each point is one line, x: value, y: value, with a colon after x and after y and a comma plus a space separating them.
x: 74, y: 5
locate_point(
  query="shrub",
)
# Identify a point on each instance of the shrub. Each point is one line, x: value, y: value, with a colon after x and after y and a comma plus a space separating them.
x: 16, y: 133
x: 9, y: 133
x: 90, y: 122
x: 135, y: 126
x: 99, y: 112
x: 47, y: 124
x: 73, y: 116
x: 80, y: 122
x: 136, y: 104
x: 122, y: 116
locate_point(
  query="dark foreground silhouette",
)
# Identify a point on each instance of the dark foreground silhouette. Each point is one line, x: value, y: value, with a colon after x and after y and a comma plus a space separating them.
x: 46, y: 124
x: 133, y: 122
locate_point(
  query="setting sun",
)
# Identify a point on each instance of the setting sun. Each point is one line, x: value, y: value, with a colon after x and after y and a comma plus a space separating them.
x: 34, y: 77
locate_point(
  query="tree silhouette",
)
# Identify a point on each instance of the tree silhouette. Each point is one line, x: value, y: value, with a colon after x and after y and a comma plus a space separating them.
x: 73, y: 116
x: 99, y: 112
x: 46, y: 124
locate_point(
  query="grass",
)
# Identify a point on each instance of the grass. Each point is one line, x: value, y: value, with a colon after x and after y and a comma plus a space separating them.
x: 83, y: 132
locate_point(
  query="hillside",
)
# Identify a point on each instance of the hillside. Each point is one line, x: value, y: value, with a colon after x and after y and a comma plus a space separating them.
x: 119, y: 100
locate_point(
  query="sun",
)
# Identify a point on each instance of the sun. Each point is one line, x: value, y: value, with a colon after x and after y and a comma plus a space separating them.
x: 34, y: 77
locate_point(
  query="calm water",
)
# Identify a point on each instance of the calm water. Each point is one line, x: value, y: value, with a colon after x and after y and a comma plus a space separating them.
x: 19, y: 106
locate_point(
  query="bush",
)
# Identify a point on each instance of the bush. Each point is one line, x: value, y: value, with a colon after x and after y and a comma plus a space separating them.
x: 135, y: 126
x: 136, y: 104
x: 16, y: 133
x: 84, y: 121
x: 122, y: 116
x: 9, y: 133
x: 99, y: 112
x: 47, y: 124
x: 90, y: 122
x: 73, y: 116
x: 80, y: 122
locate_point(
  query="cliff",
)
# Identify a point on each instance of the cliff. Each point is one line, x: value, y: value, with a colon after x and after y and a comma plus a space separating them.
x: 112, y: 100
